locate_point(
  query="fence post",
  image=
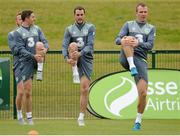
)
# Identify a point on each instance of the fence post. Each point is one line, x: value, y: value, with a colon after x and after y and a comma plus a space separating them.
x: 14, y: 98
x: 153, y: 59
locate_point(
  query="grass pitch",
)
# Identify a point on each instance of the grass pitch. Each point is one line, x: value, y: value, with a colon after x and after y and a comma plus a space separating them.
x: 93, y: 127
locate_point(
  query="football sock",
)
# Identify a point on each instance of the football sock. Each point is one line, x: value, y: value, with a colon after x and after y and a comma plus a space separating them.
x: 40, y: 66
x: 75, y: 70
x: 138, y: 118
x: 29, y: 115
x: 19, y: 114
x: 81, y: 116
x: 130, y: 62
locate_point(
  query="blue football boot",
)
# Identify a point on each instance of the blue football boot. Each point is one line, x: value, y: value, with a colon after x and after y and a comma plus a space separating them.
x: 137, y: 127
x: 133, y: 71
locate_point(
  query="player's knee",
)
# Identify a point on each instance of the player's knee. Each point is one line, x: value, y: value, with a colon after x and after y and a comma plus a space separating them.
x: 20, y: 94
x: 20, y: 87
x: 28, y: 86
x: 142, y: 88
x: 85, y: 90
x: 20, y: 90
x: 28, y: 94
x: 73, y: 47
x: 39, y: 46
x: 143, y: 93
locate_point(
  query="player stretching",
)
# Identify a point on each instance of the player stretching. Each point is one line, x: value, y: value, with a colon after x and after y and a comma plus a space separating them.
x: 23, y: 43
x: 79, y: 40
x: 136, y: 38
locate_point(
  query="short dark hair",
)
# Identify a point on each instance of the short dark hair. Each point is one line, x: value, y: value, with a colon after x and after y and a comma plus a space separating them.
x: 140, y: 4
x: 26, y: 14
x: 79, y: 8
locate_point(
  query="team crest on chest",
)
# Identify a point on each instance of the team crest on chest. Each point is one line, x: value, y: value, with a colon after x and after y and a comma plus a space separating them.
x: 133, y: 28
x: 34, y: 32
x: 85, y: 32
x: 74, y: 32
x: 147, y: 30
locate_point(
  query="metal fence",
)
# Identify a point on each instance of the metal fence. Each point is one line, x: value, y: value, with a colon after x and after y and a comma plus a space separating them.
x: 57, y: 97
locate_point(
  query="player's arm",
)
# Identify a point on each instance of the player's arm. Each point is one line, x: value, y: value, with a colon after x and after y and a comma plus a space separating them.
x: 123, y: 32
x: 65, y: 44
x: 90, y: 41
x: 11, y: 44
x: 43, y: 39
x: 148, y: 45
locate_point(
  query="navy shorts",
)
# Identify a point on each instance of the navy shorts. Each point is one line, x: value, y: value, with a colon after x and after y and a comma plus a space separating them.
x: 24, y: 71
x: 17, y: 73
x: 140, y: 64
x: 85, y: 66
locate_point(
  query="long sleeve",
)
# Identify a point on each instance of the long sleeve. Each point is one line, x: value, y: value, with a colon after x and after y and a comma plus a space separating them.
x: 123, y: 32
x: 89, y: 48
x: 11, y: 43
x: 65, y: 44
x: 43, y: 38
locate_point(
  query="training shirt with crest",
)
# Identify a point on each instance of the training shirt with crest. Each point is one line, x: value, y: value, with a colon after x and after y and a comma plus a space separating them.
x: 144, y: 32
x: 25, y: 39
x: 83, y: 35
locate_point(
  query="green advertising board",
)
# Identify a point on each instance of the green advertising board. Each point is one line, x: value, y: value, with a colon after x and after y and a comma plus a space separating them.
x: 4, y: 84
x: 115, y: 96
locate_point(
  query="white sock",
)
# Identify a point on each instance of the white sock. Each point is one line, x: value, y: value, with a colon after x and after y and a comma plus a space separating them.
x: 29, y: 114
x: 131, y: 62
x: 81, y: 116
x: 19, y: 114
x: 75, y: 70
x: 138, y: 118
x: 40, y: 66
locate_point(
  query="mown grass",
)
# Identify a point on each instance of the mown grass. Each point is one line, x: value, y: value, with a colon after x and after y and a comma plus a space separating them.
x: 107, y: 15
x: 93, y: 127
